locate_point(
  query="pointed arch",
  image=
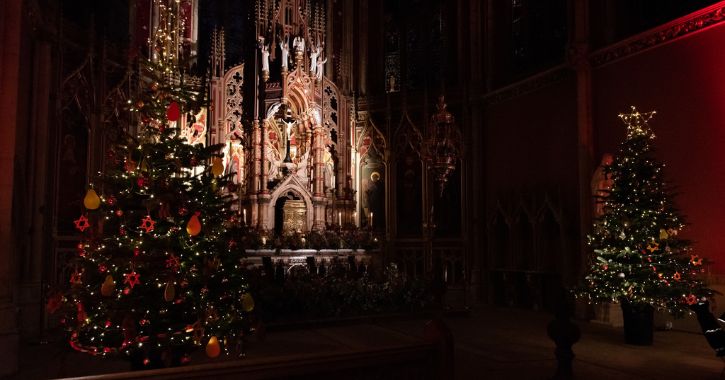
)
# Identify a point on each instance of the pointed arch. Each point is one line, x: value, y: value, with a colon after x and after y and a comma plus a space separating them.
x: 291, y: 184
x: 407, y: 136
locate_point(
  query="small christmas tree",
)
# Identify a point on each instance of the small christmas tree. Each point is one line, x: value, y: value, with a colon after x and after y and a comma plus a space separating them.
x: 158, y: 270
x: 639, y: 259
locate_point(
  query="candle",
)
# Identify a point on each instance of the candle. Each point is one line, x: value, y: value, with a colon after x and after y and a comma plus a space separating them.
x: 339, y: 218
x: 245, y: 216
x: 371, y: 219
x: 264, y: 241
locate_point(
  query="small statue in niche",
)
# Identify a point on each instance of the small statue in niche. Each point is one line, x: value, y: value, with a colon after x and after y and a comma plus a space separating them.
x: 314, y: 53
x: 284, y: 46
x: 601, y: 184
x: 299, y: 44
x: 320, y: 68
x: 265, y: 58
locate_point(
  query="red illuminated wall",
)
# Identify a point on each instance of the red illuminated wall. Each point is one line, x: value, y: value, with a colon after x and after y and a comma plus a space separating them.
x: 684, y: 81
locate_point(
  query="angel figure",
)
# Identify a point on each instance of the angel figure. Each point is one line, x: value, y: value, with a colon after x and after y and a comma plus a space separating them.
x: 284, y: 46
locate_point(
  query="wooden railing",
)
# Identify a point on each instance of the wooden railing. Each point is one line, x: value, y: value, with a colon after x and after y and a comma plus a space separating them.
x: 412, y: 361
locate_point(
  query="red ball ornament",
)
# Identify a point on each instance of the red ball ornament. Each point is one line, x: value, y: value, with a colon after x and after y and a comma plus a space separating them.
x: 172, y: 112
x: 111, y: 200
x: 183, y: 211
x: 119, y: 212
x: 141, y: 181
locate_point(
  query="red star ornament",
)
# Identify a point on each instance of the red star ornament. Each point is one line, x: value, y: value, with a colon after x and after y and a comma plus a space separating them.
x: 147, y: 224
x: 82, y: 223
x: 173, y: 263
x: 75, y: 278
x: 695, y: 260
x: 132, y: 279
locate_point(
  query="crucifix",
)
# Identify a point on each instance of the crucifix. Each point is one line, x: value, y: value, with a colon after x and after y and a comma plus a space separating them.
x: 288, y: 121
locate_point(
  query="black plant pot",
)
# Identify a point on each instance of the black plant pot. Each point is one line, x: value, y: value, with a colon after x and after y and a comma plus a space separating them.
x: 638, y: 323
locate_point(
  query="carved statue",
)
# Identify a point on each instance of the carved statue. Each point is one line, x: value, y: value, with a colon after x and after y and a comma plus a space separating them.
x: 284, y: 46
x: 265, y: 58
x: 328, y: 172
x: 320, y: 68
x: 299, y: 44
x: 274, y: 161
x: 314, y: 53
x: 302, y: 165
x: 601, y: 184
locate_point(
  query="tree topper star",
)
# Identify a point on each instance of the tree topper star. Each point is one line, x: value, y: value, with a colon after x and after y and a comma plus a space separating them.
x: 637, y: 122
x: 132, y: 279
x: 82, y: 223
x: 147, y: 224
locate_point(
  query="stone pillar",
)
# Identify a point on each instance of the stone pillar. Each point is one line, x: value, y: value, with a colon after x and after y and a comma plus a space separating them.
x: 34, y: 220
x: 477, y: 195
x: 11, y: 17
x: 362, y: 86
x: 318, y: 187
x: 256, y: 165
x: 263, y: 175
x: 578, y: 57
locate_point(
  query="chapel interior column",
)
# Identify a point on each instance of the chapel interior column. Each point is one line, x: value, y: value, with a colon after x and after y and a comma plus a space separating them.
x: 10, y: 39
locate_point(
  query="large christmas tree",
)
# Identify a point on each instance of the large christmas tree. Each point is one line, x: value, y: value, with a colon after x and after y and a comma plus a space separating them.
x: 158, y: 270
x: 639, y: 258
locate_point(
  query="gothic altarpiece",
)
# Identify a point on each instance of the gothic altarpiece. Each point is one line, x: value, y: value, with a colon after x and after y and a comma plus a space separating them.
x: 305, y: 163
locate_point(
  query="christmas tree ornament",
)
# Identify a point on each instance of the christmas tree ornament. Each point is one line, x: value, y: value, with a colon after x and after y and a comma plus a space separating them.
x: 217, y: 168
x: 91, y: 200
x: 169, y: 291
x: 111, y: 200
x: 82, y: 223
x: 76, y: 278
x: 130, y: 165
x: 247, y: 302
x: 663, y: 234
x: 172, y: 111
x: 132, y: 279
x: 193, y: 227
x: 173, y: 263
x: 108, y: 286
x: 81, y: 315
x: 213, y: 348
x: 147, y: 224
